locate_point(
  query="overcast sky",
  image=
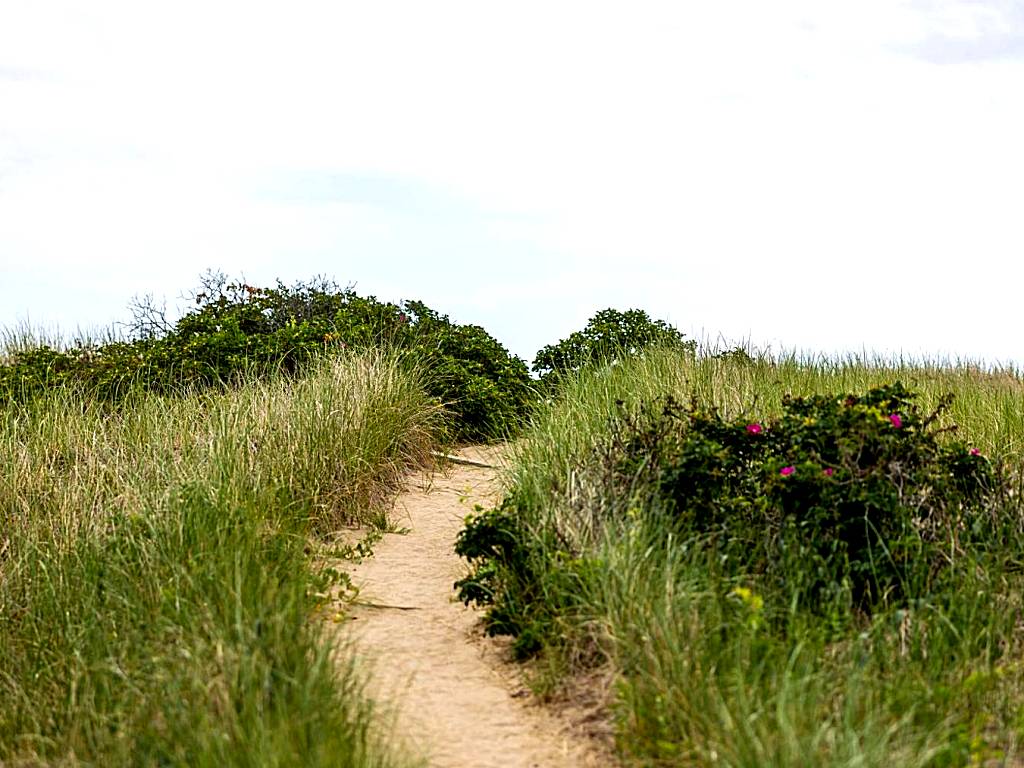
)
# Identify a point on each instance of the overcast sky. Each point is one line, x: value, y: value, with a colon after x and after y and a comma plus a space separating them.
x: 809, y: 174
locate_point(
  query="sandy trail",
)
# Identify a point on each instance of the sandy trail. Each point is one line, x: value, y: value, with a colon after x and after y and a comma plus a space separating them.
x: 455, y: 700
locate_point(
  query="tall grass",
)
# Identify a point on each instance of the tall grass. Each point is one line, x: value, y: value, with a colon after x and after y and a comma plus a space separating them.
x: 702, y: 678
x: 155, y: 586
x: 23, y: 336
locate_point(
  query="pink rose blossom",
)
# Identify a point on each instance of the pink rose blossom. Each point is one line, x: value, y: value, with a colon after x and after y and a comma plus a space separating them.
x: 787, y: 471
x: 829, y: 471
x: 754, y: 429
x: 896, y: 420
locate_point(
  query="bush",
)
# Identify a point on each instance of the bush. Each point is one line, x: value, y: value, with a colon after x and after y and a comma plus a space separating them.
x: 841, y: 495
x: 488, y: 389
x: 850, y: 498
x: 608, y: 335
x: 525, y: 578
x: 235, y: 329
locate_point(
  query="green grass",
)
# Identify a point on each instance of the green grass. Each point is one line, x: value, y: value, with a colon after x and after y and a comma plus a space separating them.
x: 156, y: 587
x: 703, y: 678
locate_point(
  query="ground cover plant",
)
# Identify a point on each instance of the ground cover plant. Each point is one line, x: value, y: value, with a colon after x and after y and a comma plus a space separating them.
x: 235, y: 329
x: 795, y: 562
x: 156, y: 584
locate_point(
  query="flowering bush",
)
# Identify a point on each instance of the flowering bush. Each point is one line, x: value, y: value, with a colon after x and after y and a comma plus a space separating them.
x: 858, y: 499
x: 854, y: 493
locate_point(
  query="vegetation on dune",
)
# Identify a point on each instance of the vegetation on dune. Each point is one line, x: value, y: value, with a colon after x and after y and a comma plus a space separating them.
x: 805, y: 565
x: 235, y: 329
x: 155, y: 584
x: 608, y: 337
x: 781, y: 561
x: 158, y: 496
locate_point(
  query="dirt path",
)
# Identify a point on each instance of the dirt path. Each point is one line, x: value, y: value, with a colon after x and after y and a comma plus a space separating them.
x: 455, y: 699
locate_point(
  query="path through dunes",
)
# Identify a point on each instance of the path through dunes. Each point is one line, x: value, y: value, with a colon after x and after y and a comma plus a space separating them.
x: 455, y: 700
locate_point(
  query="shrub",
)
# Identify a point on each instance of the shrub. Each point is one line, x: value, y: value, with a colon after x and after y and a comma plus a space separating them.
x: 525, y: 578
x: 608, y: 335
x: 235, y: 328
x: 845, y: 494
x: 855, y: 498
x: 488, y: 389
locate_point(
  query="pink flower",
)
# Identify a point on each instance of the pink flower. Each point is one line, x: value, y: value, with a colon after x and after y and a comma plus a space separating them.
x: 975, y: 452
x: 754, y: 429
x: 787, y: 471
x: 829, y: 471
x: 896, y: 420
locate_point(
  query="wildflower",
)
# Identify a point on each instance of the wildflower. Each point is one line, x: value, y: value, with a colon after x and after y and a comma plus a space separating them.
x: 787, y: 471
x: 748, y: 598
x: 743, y: 593
x: 975, y: 452
x: 896, y: 420
x: 754, y: 604
x: 754, y: 429
x: 829, y: 471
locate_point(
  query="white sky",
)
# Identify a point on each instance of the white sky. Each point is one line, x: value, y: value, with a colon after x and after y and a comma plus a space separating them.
x: 810, y: 174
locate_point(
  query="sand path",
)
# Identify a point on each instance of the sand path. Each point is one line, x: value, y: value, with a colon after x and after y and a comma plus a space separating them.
x: 455, y: 699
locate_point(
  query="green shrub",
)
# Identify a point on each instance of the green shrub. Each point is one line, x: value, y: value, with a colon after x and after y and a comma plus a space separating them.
x: 854, y: 498
x: 526, y: 579
x: 495, y: 541
x: 488, y: 389
x: 608, y: 335
x: 236, y: 329
x: 841, y: 494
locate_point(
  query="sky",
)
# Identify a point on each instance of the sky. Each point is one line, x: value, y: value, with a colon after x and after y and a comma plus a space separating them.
x: 809, y: 175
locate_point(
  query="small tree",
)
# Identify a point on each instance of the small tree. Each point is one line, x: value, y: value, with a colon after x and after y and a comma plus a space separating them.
x: 609, y: 335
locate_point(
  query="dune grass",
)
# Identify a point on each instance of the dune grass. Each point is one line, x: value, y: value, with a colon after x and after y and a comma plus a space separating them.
x: 155, y: 584
x: 24, y: 336
x: 702, y: 679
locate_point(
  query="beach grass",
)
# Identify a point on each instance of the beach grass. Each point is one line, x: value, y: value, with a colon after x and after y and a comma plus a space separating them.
x: 157, y: 592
